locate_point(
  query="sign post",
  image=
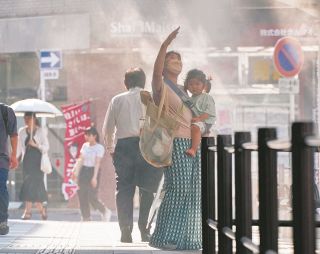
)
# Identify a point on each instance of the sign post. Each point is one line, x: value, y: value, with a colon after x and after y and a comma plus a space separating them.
x: 50, y: 61
x: 288, y: 60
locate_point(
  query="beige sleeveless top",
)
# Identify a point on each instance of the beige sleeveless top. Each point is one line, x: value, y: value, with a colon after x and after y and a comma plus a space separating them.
x: 179, y: 111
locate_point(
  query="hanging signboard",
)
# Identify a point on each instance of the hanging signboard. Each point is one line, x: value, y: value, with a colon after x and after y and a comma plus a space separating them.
x: 77, y: 118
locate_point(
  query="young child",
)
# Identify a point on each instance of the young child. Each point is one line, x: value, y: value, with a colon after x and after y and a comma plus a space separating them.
x: 203, y: 122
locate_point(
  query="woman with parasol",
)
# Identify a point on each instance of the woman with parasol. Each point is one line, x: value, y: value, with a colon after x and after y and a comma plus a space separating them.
x: 32, y: 143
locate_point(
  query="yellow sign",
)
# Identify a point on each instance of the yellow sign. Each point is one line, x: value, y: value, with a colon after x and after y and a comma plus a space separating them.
x: 261, y: 71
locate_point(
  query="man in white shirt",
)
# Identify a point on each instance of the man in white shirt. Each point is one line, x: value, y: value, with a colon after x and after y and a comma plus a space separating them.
x: 121, y: 130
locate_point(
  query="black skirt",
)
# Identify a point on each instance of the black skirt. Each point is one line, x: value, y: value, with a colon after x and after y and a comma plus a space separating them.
x: 33, y: 189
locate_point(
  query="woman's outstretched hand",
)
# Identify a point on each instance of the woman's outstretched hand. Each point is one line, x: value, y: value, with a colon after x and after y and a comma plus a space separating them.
x: 171, y: 36
x: 159, y: 63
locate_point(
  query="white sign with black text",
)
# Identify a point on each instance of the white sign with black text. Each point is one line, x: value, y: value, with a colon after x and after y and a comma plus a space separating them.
x: 289, y: 85
x: 50, y: 74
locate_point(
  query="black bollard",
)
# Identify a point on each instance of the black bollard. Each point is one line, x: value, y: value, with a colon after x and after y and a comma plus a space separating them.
x: 268, y: 192
x: 243, y: 191
x: 208, y: 194
x: 224, y: 193
x: 302, y: 189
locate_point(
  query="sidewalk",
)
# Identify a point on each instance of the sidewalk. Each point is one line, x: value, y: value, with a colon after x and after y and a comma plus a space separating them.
x: 71, y: 237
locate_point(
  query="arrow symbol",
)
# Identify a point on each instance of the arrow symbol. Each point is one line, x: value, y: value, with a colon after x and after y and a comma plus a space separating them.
x: 52, y: 59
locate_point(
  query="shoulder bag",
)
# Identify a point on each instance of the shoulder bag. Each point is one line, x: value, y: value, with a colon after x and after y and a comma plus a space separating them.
x: 46, y: 166
x: 157, y: 134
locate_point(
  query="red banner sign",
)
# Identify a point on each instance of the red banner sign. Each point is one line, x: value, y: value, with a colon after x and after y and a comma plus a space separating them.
x: 77, y: 118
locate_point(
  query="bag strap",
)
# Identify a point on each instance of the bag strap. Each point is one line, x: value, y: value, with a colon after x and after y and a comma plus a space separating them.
x: 4, y: 113
x: 162, y: 105
x: 162, y: 101
x: 183, y: 96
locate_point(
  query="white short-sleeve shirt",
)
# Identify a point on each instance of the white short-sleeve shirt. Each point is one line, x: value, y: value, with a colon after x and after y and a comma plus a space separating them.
x: 90, y: 153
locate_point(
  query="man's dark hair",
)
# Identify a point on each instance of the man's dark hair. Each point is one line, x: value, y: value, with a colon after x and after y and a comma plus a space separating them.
x: 135, y: 77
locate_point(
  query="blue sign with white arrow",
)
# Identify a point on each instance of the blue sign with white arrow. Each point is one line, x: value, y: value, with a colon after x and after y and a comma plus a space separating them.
x: 50, y: 59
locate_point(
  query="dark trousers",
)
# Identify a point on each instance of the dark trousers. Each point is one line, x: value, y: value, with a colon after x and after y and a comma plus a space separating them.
x: 4, y: 195
x: 131, y: 171
x: 87, y: 194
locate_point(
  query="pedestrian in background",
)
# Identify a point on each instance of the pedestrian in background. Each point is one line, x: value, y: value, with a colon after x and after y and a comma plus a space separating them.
x: 178, y: 224
x: 87, y: 178
x: 8, y: 127
x: 122, y: 123
x: 32, y: 143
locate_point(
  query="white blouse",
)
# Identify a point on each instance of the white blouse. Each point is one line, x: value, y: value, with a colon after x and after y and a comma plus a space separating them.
x: 90, y: 153
x: 40, y: 138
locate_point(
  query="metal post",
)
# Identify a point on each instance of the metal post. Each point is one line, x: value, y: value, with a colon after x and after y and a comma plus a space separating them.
x: 292, y: 106
x: 243, y: 191
x: 208, y: 194
x: 8, y: 84
x: 43, y: 120
x: 302, y: 189
x: 224, y: 193
x: 268, y: 193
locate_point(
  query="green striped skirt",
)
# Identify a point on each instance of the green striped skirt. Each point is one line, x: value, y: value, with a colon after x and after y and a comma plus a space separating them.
x: 179, y: 218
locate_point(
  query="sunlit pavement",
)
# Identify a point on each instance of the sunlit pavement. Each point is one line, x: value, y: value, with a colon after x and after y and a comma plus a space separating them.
x: 63, y: 233
x: 57, y: 236
x: 65, y: 237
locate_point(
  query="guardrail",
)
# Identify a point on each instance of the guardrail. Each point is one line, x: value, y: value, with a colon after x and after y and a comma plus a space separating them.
x: 302, y: 148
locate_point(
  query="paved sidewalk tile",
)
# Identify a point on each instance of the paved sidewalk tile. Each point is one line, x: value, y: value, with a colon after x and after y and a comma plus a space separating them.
x: 62, y: 237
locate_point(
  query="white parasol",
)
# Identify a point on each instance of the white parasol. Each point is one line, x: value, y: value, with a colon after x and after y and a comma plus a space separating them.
x: 40, y: 107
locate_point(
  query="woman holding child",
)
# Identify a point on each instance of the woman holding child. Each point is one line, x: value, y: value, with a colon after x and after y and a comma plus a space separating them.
x: 178, y: 224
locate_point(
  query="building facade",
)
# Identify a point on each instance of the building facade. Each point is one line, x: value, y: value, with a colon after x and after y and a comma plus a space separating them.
x: 100, y: 39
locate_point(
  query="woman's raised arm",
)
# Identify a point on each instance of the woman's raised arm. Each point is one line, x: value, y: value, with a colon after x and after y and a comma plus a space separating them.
x: 159, y: 63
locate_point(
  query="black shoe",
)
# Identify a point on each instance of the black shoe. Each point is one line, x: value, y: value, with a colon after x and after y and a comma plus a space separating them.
x: 145, y: 234
x: 169, y: 246
x: 4, y: 229
x: 145, y: 237
x: 126, y: 238
x: 126, y: 235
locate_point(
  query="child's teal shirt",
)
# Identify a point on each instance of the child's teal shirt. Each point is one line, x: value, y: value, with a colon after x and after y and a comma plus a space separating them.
x: 204, y: 103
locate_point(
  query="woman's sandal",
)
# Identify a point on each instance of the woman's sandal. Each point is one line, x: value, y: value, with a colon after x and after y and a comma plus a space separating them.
x: 26, y: 216
x: 44, y: 215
